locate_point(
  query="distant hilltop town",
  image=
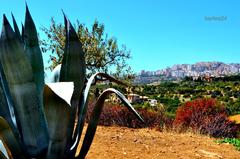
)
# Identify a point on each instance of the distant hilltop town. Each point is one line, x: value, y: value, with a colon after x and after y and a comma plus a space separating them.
x: 180, y: 71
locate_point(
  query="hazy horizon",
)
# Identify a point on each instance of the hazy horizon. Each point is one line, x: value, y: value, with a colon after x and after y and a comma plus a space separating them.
x: 191, y: 64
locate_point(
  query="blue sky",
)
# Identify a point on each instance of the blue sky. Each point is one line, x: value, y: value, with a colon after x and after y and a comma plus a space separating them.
x: 159, y: 33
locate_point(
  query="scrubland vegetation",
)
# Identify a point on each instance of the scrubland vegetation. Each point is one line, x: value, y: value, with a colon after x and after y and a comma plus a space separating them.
x: 196, y: 106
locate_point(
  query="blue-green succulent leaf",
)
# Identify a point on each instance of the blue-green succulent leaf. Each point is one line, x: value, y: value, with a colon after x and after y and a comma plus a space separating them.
x: 7, y: 136
x: 19, y: 75
x: 2, y: 155
x: 84, y: 106
x: 92, y: 125
x: 22, y: 36
x: 3, y: 151
x: 31, y: 47
x: 16, y: 29
x: 73, y: 65
x: 57, y: 108
x: 73, y: 69
x: 7, y: 109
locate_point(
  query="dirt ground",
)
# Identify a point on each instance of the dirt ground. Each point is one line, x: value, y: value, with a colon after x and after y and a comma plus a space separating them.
x: 121, y: 143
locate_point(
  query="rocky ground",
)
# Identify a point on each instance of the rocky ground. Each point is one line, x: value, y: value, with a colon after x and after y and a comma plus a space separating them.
x: 120, y: 143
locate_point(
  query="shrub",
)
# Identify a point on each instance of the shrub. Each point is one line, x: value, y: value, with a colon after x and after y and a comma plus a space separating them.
x: 121, y: 116
x: 170, y: 104
x: 219, y: 126
x: 205, y: 116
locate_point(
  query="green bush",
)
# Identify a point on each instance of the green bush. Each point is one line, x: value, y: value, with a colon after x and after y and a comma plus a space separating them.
x: 234, y: 141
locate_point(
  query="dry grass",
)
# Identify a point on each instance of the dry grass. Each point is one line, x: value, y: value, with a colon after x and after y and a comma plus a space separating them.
x: 235, y: 118
x: 120, y: 142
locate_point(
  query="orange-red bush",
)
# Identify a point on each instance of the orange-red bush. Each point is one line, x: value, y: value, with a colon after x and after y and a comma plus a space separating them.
x: 205, y: 116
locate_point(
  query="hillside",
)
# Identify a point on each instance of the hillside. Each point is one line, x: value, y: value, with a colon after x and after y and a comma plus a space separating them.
x: 121, y: 143
x: 180, y: 71
x: 173, y: 94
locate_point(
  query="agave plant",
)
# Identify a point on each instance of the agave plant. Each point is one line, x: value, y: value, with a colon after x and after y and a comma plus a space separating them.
x: 39, y: 120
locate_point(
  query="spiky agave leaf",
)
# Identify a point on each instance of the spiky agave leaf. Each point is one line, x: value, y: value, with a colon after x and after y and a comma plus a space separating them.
x: 84, y: 106
x: 92, y: 125
x: 23, y: 89
x: 31, y: 48
x: 57, y: 108
x: 10, y: 140
x: 2, y: 156
x: 73, y: 56
x: 3, y: 150
x: 73, y: 66
x: 22, y: 36
x: 73, y: 69
x: 16, y: 29
x: 6, y: 102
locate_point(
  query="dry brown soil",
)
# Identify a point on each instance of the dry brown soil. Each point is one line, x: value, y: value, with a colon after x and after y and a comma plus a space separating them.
x: 120, y: 143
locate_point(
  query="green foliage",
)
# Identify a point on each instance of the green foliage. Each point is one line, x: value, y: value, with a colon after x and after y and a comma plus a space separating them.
x: 37, y: 119
x: 224, y: 91
x: 102, y: 53
x: 234, y: 141
x: 233, y: 107
x: 170, y: 104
